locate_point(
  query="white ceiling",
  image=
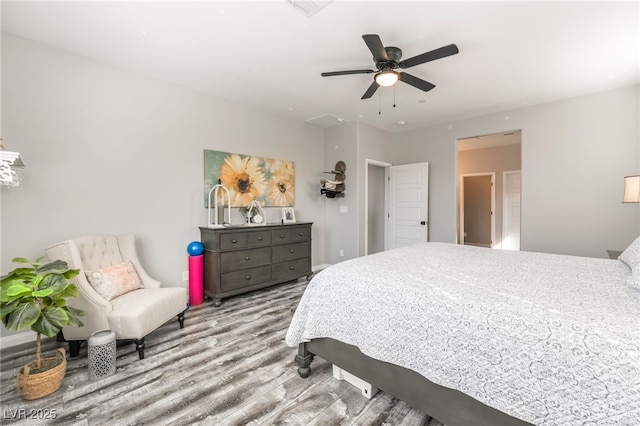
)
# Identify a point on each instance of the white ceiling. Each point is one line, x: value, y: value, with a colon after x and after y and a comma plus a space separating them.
x: 269, y: 56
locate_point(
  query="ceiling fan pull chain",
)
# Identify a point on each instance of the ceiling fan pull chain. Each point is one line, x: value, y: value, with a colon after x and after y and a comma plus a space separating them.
x: 379, y: 96
x: 394, y: 95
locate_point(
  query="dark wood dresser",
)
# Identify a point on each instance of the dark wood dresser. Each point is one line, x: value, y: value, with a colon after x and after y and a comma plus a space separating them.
x: 239, y: 259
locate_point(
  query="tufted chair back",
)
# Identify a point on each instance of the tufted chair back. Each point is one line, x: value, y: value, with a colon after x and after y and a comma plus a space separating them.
x: 98, y: 251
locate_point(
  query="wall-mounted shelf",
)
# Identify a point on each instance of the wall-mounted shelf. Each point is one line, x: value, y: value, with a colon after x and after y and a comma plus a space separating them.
x: 334, y: 188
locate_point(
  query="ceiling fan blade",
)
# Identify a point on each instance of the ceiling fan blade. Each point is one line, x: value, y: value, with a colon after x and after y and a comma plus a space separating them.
x: 419, y: 83
x: 442, y: 52
x: 370, y: 91
x: 375, y: 46
x: 332, y: 73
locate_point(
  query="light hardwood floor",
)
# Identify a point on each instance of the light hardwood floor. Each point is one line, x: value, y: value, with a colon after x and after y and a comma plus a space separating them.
x: 228, y: 366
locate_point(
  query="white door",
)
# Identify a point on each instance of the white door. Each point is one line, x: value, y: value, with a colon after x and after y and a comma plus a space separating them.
x: 511, y: 216
x: 408, y: 204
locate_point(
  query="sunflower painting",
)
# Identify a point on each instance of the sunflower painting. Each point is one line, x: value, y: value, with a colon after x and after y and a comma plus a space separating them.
x: 270, y: 182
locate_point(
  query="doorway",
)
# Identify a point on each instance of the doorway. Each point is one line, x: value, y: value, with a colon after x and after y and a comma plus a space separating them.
x: 477, y: 204
x: 376, y: 201
x: 396, y: 205
x: 498, y: 154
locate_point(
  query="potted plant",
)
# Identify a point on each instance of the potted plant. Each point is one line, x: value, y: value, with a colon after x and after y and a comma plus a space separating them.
x: 33, y: 296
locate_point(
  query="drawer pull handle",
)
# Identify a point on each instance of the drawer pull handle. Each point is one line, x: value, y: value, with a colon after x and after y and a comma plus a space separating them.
x: 248, y: 277
x: 234, y: 241
x: 259, y: 238
x: 247, y: 258
x: 292, y: 251
x: 292, y: 268
x: 300, y: 234
x: 281, y: 236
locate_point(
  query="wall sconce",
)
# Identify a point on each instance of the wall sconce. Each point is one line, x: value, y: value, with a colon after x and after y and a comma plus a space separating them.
x: 631, y: 189
x: 9, y: 162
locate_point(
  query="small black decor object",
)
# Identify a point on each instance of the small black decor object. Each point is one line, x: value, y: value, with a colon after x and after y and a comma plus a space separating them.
x: 334, y: 188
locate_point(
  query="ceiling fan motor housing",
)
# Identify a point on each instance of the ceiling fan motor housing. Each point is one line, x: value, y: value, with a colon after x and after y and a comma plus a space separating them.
x: 394, y: 55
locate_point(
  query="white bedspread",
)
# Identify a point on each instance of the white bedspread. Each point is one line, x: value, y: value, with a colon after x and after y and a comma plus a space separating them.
x: 549, y: 339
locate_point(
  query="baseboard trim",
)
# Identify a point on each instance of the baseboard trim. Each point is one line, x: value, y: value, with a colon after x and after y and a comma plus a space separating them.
x: 17, y: 339
x: 320, y: 267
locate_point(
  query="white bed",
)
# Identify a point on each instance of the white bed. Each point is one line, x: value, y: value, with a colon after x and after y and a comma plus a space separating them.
x: 546, y: 339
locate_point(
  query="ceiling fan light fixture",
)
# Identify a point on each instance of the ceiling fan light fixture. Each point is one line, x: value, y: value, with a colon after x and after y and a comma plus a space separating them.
x: 387, y: 78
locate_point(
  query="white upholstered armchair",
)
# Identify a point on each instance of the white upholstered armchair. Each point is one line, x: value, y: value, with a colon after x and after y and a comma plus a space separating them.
x: 115, y: 291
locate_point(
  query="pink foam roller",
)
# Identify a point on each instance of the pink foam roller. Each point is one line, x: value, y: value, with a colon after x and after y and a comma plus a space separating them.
x: 196, y: 289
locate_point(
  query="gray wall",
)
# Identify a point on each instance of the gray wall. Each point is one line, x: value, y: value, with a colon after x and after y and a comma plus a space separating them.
x: 110, y: 151
x: 575, y: 153
x: 341, y: 228
x: 373, y: 144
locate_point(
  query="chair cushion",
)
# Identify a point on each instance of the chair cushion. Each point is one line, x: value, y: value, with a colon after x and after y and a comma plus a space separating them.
x: 114, y: 280
x: 138, y: 313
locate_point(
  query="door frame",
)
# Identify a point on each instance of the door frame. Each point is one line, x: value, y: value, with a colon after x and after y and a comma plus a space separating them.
x: 493, y: 206
x: 504, y: 204
x: 385, y: 165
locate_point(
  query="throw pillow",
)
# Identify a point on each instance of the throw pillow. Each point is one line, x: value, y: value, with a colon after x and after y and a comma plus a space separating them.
x: 631, y: 255
x: 633, y: 280
x: 114, y: 280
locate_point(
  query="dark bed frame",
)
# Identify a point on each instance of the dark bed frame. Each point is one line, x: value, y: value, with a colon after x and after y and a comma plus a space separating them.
x: 449, y: 406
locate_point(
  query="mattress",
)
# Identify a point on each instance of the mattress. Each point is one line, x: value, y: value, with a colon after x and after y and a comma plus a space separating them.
x: 549, y: 339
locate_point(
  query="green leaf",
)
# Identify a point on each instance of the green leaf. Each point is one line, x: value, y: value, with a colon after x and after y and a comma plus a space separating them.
x: 69, y: 291
x: 56, y: 316
x: 71, y: 273
x: 55, y: 267
x: 43, y: 293
x: 74, y: 315
x: 24, y: 316
x: 46, y: 327
x: 20, y: 260
x: 17, y: 289
x: 75, y: 312
x: 4, y: 288
x: 55, y: 281
x: 6, y: 309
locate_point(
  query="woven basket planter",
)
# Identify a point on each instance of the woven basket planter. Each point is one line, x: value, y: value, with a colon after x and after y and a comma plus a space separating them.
x: 38, y: 385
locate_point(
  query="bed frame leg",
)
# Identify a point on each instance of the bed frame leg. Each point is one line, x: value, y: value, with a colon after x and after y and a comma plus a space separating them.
x: 303, y: 359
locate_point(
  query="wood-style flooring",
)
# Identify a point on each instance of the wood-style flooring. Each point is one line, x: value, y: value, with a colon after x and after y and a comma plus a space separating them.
x: 228, y: 366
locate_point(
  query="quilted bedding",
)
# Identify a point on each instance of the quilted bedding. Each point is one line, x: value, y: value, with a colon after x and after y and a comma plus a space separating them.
x: 549, y: 339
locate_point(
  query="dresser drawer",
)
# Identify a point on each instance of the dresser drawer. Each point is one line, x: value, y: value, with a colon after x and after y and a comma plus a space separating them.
x: 235, y: 260
x: 290, y: 270
x: 286, y: 235
x: 233, y: 240
x: 258, y: 239
x: 289, y: 252
x: 246, y: 278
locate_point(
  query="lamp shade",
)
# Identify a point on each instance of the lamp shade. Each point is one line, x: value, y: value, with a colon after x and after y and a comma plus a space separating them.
x: 631, y: 189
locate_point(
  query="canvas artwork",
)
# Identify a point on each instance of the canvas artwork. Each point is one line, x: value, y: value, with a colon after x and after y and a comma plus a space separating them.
x: 271, y: 182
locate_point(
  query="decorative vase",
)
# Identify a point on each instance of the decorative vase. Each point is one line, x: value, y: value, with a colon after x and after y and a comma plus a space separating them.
x: 40, y: 384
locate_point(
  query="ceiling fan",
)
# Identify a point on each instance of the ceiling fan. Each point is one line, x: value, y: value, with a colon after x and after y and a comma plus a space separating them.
x: 388, y: 59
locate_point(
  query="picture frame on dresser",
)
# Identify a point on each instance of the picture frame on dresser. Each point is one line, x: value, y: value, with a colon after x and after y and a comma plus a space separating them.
x: 288, y: 215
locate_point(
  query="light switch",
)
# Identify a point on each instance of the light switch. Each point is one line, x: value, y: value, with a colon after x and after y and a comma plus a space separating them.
x: 344, y: 209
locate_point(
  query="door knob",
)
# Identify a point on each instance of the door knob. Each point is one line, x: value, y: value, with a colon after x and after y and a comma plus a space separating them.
x: 423, y: 222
